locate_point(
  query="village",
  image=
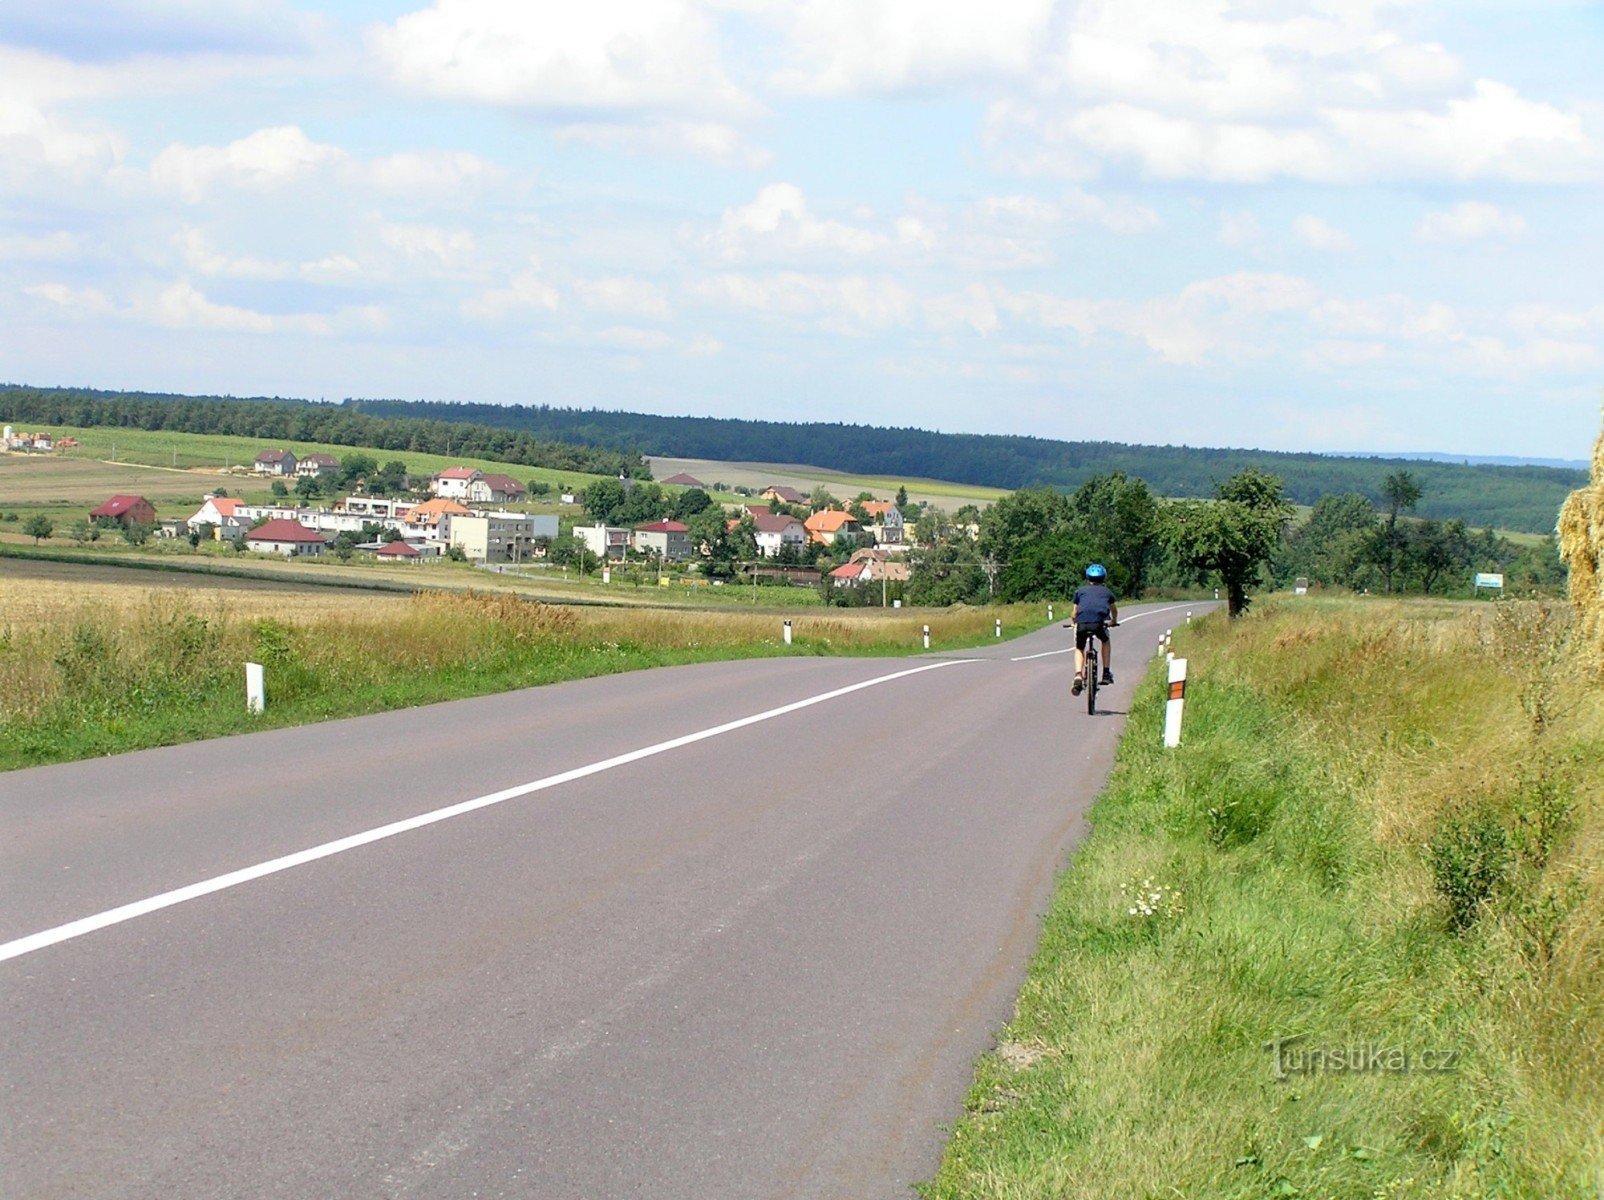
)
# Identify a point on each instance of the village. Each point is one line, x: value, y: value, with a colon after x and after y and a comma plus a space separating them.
x: 467, y: 517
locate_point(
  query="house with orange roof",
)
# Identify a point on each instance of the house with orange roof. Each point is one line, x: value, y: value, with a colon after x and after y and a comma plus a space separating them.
x: 885, y: 522
x: 829, y: 525
x: 428, y: 514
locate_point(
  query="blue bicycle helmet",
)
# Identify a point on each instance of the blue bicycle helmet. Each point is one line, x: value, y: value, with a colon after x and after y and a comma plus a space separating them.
x: 1096, y: 571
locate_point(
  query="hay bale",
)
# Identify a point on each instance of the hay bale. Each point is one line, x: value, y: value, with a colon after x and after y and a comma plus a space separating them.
x: 1581, y: 545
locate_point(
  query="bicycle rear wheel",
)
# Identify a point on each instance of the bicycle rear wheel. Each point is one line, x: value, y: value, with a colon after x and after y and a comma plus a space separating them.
x: 1091, y: 682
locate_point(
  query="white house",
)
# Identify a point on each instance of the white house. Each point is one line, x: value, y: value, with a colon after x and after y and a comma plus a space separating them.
x: 318, y: 466
x: 885, y: 522
x: 275, y: 462
x: 604, y: 541
x: 496, y: 536
x: 496, y: 489
x: 222, y: 514
x: 775, y: 532
x: 454, y: 483
x: 286, y: 537
x: 669, y: 539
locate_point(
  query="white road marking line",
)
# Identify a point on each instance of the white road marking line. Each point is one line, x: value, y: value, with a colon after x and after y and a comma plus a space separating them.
x: 140, y: 908
x: 1135, y: 617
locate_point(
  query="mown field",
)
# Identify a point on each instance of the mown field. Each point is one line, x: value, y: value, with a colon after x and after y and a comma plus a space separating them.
x: 842, y: 485
x: 116, y: 662
x: 1346, y: 942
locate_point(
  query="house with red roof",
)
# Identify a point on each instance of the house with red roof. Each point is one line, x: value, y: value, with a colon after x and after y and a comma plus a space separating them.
x: 125, y: 511
x: 785, y: 495
x: 684, y: 480
x: 453, y: 483
x: 398, y: 552
x: 284, y: 536
x: 668, y: 539
x: 851, y: 574
x: 275, y: 462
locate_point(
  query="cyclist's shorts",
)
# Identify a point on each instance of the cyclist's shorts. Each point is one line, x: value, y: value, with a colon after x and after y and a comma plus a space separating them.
x: 1085, y: 632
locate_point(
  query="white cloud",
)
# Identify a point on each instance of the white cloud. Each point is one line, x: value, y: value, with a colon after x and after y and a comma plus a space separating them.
x: 778, y: 225
x: 279, y: 156
x: 601, y: 55
x: 1469, y: 221
x: 182, y: 307
x: 856, y: 46
x: 1244, y: 92
x: 48, y: 247
x: 75, y: 302
x: 197, y: 253
x: 431, y: 171
x: 527, y: 290
x: 850, y: 304
x: 431, y: 243
x: 35, y: 140
x: 267, y: 158
x: 624, y: 296
x: 972, y: 309
x: 1319, y: 234
x: 711, y: 141
x: 1239, y: 229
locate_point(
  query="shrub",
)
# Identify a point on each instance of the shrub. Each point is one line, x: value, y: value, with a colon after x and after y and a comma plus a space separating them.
x: 1470, y: 858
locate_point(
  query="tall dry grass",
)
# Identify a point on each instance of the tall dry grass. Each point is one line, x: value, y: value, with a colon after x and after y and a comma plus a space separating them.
x: 90, y: 670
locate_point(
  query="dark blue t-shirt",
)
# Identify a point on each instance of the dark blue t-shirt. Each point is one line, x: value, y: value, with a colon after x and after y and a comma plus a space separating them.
x: 1094, y: 604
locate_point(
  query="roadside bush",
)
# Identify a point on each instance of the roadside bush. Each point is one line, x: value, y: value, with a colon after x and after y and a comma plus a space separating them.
x: 1469, y: 858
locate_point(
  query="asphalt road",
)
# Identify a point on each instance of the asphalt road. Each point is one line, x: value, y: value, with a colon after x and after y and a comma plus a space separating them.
x: 732, y: 930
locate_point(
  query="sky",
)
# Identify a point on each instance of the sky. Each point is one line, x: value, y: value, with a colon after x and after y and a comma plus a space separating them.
x: 1334, y: 225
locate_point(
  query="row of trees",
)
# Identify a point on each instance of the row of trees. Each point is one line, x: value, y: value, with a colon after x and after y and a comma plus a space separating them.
x: 1035, y: 543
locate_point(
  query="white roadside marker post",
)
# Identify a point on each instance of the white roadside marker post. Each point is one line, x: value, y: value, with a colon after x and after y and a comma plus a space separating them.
x: 1049, y: 612
x: 788, y: 631
x: 1188, y: 616
x: 927, y: 637
x: 255, y: 691
x: 1176, y: 701
x: 999, y: 627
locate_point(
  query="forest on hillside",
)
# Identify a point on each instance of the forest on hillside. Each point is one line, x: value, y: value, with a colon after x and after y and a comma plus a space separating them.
x: 1525, y: 498
x: 1509, y: 497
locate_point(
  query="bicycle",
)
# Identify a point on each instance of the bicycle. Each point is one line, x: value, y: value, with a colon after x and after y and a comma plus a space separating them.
x: 1090, y: 675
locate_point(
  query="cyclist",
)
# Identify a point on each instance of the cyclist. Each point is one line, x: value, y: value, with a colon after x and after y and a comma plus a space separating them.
x: 1095, y: 610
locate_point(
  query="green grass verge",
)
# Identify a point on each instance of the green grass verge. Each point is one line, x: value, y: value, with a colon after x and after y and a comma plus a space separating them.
x: 1275, y: 867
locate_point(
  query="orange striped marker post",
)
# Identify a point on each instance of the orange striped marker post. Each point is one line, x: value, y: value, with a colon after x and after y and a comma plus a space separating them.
x: 1176, y: 701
